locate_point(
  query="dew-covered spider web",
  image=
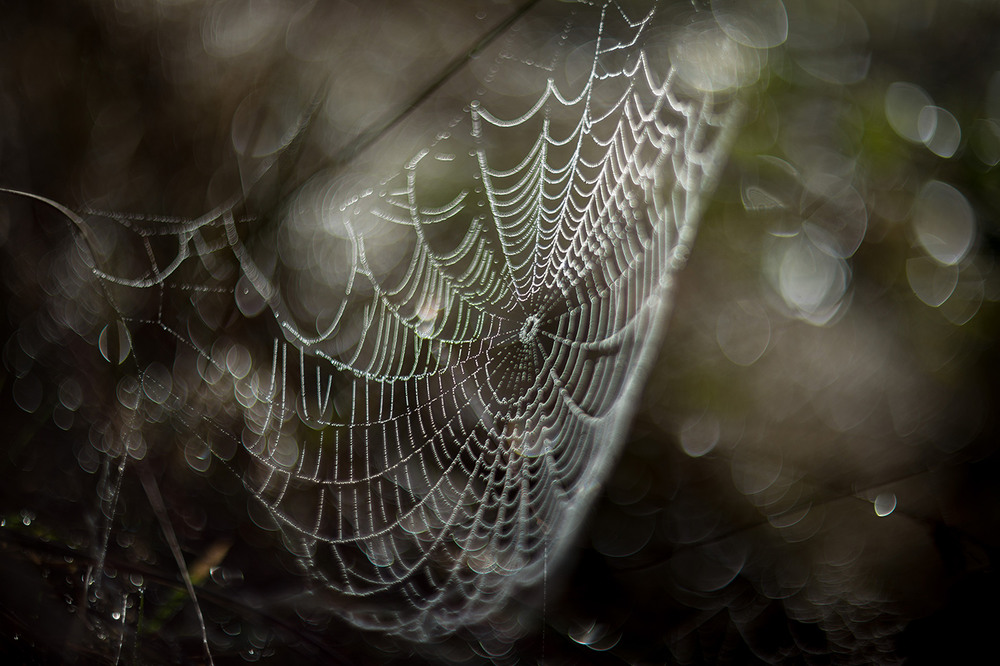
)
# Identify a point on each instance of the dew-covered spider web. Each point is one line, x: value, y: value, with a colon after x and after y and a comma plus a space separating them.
x: 421, y: 361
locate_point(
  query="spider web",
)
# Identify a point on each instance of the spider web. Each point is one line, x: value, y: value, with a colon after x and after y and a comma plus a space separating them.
x: 459, y: 333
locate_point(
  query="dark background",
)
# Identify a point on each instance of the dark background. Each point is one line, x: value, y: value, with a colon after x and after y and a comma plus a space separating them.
x: 762, y: 545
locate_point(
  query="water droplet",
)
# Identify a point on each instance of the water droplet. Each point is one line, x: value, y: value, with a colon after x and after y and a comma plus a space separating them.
x: 248, y: 299
x: 115, y: 342
x: 772, y: 185
x: 586, y: 634
x: 743, y: 332
x: 261, y: 126
x: 699, y: 436
x: 226, y: 576
x: 939, y: 130
x: 839, y: 222
x: 885, y: 504
x: 829, y: 40
x: 157, y: 382
x: 985, y: 141
x: 238, y: 361
x: 707, y: 59
x: 765, y: 26
x: 71, y: 395
x: 135, y: 444
x: 789, y: 518
x: 967, y: 297
x: 944, y: 222
x: 197, y: 455
x: 62, y: 417
x: 755, y: 471
x: 903, y: 104
x: 932, y: 282
x: 129, y: 392
x: 810, y: 281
